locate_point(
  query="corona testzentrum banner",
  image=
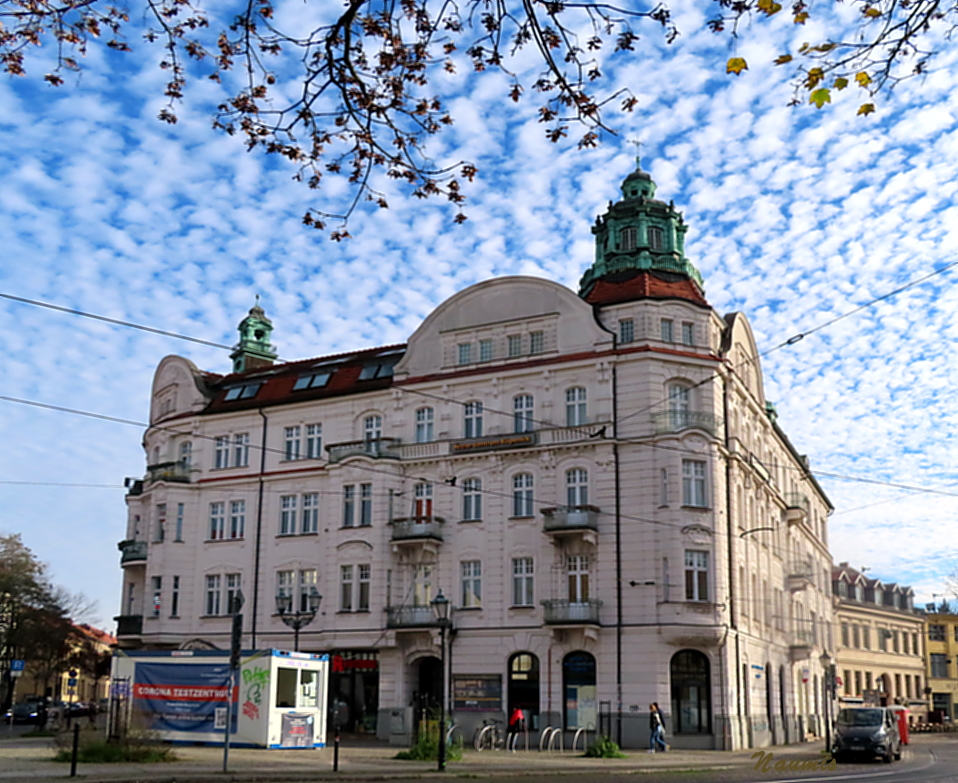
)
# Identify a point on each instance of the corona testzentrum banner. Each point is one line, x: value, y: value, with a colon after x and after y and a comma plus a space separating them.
x: 183, y: 697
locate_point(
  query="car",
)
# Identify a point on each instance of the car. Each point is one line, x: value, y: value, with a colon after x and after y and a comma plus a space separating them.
x: 24, y: 712
x: 77, y: 709
x: 866, y: 732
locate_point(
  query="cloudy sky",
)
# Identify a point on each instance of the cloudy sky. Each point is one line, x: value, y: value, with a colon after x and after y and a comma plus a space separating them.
x: 796, y: 215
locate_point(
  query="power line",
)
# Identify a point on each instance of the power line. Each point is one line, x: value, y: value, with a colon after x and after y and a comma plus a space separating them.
x: 59, y: 484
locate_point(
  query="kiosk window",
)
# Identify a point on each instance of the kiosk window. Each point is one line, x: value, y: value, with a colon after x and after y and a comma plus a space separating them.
x: 309, y: 689
x: 286, y: 687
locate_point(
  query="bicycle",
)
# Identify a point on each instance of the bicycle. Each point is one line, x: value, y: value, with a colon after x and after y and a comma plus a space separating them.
x: 489, y: 736
x: 454, y: 736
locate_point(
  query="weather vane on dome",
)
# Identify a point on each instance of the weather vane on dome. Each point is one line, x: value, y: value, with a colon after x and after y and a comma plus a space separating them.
x: 638, y: 146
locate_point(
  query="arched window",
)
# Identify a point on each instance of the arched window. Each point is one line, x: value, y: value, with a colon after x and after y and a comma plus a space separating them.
x: 522, y: 407
x: 472, y: 499
x: 578, y: 690
x: 472, y: 420
x: 424, y: 420
x: 523, y: 692
x: 627, y: 237
x: 522, y: 495
x: 655, y: 238
x: 577, y: 487
x: 575, y: 410
x: 691, y: 693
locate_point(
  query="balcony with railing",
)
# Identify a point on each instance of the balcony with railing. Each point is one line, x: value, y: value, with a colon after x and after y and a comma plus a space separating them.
x: 798, y: 575
x: 570, y: 520
x: 411, y: 617
x: 169, y: 471
x: 132, y: 552
x: 129, y: 625
x: 800, y: 645
x: 377, y: 448
x: 679, y: 420
x: 560, y: 611
x: 416, y: 529
x: 796, y: 507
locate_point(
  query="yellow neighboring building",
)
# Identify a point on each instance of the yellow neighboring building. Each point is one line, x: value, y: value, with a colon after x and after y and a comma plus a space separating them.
x: 942, y: 654
x: 86, y: 685
x: 880, y: 651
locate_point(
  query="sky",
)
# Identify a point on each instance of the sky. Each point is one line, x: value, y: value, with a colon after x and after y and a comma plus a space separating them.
x: 796, y: 216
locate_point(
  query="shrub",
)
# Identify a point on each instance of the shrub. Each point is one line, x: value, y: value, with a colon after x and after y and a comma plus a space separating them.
x: 132, y: 748
x: 427, y: 749
x: 604, y: 748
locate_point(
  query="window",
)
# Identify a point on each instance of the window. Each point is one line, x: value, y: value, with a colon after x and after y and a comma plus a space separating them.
x: 856, y: 637
x: 346, y: 588
x: 667, y: 330
x: 178, y: 530
x: 175, y: 598
x: 577, y: 487
x: 213, y: 594
x: 655, y: 238
x: 936, y: 633
x: 688, y: 333
x: 866, y: 637
x: 904, y: 642
x: 680, y: 402
x: 895, y: 644
x: 879, y: 597
x: 287, y: 515
x: 372, y: 432
x: 314, y: 441
x: 307, y: 585
x: 627, y: 237
x: 522, y: 408
x: 485, y: 350
x: 365, y: 505
x: 311, y: 512
x: 233, y: 593
x: 221, y: 452
x: 664, y: 487
x: 240, y: 450
x: 536, y: 342
x: 471, y: 584
x: 939, y: 665
x: 237, y: 518
x: 522, y: 495
x: 292, y: 443
x: 696, y: 575
x: 130, y: 597
x: 349, y: 505
x: 845, y: 636
x: 422, y: 585
x: 422, y: 504
x: 514, y: 342
x: 157, y: 594
x: 914, y: 645
x: 522, y: 573
x: 465, y: 353
x: 362, y: 605
x: 575, y: 411
x: 843, y: 589
x: 847, y: 682
x: 284, y: 583
x: 424, y: 421
x: 577, y: 573
x: 626, y: 330
x: 693, y: 483
x: 217, y: 520
x: 312, y: 381
x: 858, y: 683
x: 472, y: 420
x: 159, y: 530
x: 186, y: 454
x: 472, y: 499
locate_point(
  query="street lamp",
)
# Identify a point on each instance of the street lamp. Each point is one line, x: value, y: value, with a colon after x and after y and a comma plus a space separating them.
x: 829, y: 682
x: 440, y: 605
x: 298, y: 619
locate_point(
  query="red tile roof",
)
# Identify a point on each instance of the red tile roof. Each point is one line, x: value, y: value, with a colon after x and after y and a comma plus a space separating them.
x: 630, y: 285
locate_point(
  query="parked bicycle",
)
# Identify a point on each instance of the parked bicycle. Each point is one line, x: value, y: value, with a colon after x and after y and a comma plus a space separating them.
x: 489, y: 736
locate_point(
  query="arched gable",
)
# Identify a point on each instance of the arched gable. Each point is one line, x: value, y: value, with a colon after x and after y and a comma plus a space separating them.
x: 740, y: 348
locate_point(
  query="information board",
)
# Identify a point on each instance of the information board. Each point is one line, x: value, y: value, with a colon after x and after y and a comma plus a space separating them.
x: 477, y: 692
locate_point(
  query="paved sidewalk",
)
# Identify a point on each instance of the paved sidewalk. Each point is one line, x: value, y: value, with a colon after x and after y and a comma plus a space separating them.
x: 29, y: 760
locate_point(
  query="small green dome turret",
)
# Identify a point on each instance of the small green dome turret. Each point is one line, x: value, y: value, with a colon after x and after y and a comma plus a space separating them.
x: 254, y: 349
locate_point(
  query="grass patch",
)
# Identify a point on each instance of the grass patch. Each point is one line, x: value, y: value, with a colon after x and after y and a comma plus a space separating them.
x: 102, y: 752
x: 604, y: 748
x: 39, y: 733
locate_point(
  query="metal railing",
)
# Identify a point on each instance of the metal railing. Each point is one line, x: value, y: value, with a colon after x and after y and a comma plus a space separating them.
x: 676, y: 421
x: 375, y: 447
x: 800, y: 569
x: 409, y: 528
x: 169, y: 471
x: 796, y: 500
x: 132, y: 551
x: 129, y: 624
x: 410, y: 617
x: 559, y: 611
x: 570, y: 518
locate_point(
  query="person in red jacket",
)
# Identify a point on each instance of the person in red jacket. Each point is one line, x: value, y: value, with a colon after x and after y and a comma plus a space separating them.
x: 517, y: 722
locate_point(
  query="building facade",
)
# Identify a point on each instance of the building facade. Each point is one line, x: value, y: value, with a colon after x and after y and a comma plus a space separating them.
x: 942, y: 664
x: 880, y: 655
x: 595, y: 480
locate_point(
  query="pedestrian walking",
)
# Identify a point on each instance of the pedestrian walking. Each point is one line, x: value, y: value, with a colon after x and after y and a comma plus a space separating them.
x: 517, y: 724
x: 656, y: 729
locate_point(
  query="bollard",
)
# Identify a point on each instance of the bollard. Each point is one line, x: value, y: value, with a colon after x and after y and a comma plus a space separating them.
x: 336, y: 751
x: 76, y: 749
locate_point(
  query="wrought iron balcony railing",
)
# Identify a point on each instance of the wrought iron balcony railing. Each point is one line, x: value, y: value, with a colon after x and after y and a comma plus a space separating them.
x: 132, y: 551
x: 376, y: 448
x: 129, y: 624
x: 411, y: 528
x: 560, y: 611
x: 676, y: 421
x: 411, y: 617
x: 168, y: 471
x: 570, y: 518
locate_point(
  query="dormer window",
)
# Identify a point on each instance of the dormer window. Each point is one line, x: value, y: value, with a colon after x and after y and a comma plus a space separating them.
x: 655, y: 238
x: 627, y: 238
x: 843, y: 589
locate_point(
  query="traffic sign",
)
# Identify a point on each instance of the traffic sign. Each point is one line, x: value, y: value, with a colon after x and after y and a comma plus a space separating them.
x: 17, y: 665
x: 72, y: 682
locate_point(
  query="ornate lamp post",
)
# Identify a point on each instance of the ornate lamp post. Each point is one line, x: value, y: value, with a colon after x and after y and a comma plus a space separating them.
x: 298, y: 619
x: 440, y: 605
x: 828, y: 677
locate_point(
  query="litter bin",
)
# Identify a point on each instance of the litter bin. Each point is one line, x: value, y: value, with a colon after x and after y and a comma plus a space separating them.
x: 901, y: 713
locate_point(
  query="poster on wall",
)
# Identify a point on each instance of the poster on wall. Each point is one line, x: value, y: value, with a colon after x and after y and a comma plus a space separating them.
x: 297, y: 731
x: 477, y: 692
x: 182, y: 697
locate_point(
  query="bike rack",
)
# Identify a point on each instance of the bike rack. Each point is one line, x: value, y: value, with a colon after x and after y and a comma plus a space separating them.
x: 587, y: 728
x: 514, y: 740
x: 556, y: 733
x: 545, y: 737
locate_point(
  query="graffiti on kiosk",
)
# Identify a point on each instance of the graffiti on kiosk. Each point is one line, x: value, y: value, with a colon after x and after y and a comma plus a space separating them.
x: 254, y: 681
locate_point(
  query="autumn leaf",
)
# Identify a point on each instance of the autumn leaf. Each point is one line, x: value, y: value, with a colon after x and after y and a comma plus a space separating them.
x: 865, y: 109
x: 815, y: 75
x: 785, y: 58
x: 863, y: 79
x: 736, y: 65
x: 840, y: 83
x: 801, y: 17
x: 871, y: 12
x: 769, y: 7
x: 820, y: 97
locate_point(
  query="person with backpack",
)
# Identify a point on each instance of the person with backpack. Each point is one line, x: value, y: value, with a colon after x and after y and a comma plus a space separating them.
x: 656, y: 729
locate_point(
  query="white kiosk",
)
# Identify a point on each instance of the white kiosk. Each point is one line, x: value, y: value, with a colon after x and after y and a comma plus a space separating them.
x: 278, y: 699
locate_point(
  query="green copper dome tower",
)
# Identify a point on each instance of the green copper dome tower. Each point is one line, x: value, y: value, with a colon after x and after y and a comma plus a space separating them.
x: 639, y: 233
x: 254, y: 349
